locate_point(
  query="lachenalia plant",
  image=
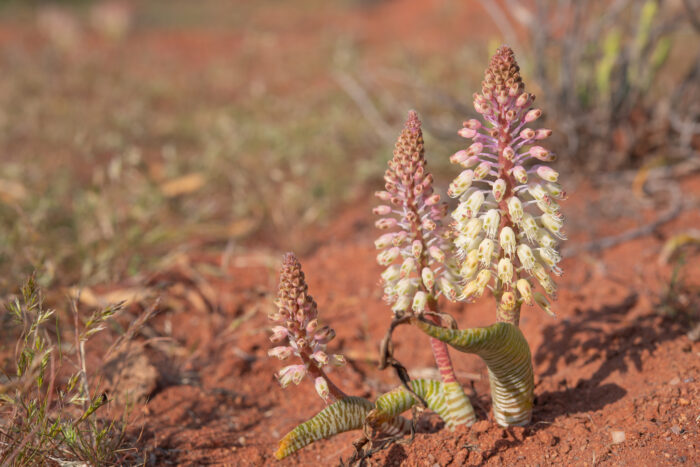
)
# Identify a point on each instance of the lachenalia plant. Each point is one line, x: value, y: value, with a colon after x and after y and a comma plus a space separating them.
x: 302, y: 336
x: 507, y: 226
x: 504, y: 237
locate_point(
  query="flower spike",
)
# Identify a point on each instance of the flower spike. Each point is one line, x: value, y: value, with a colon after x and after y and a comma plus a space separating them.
x: 297, y: 317
x: 510, y: 179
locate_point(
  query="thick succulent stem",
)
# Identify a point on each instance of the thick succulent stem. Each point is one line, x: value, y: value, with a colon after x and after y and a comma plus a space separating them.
x: 507, y: 355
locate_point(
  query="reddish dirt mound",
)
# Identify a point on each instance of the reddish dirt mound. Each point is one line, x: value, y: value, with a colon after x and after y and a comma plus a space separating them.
x: 616, y: 382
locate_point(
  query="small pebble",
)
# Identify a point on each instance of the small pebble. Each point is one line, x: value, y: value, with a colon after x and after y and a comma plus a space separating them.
x: 676, y: 430
x: 689, y: 380
x: 618, y: 437
x: 675, y: 381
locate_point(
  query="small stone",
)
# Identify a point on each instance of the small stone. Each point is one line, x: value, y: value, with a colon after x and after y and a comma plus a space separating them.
x: 618, y: 437
x: 689, y: 380
x: 683, y: 401
x: 675, y: 381
x: 676, y: 430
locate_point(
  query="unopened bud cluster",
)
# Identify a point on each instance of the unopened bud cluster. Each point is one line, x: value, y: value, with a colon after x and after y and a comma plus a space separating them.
x: 299, y: 329
x: 416, y: 249
x: 508, y: 222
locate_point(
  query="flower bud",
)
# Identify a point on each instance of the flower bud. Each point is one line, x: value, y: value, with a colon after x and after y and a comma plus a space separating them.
x: 311, y: 326
x: 543, y: 133
x: 522, y: 100
x: 472, y: 124
x: 527, y: 259
x: 538, y: 152
x: 391, y: 273
x: 466, y: 133
x: 515, y: 209
x: 528, y: 134
x: 279, y: 333
x: 420, y: 300
x: 386, y: 257
x: 432, y: 199
x: 447, y: 288
x: 383, y: 210
x: 417, y: 248
x: 508, y: 301
x: 386, y: 223
x: 553, y: 224
x: 321, y: 386
x: 428, y: 278
x: 408, y: 265
x: 475, y: 149
x: 532, y: 115
x: 508, y: 153
x: 482, y: 170
x: 543, y: 303
x: 498, y: 189
x: 320, y: 357
x: 507, y: 241
x: 324, y: 335
x: 402, y: 303
x: 473, y: 227
x: 474, y: 203
x: 384, y: 241
x: 337, y: 360
x: 437, y: 254
x: 520, y: 174
x: 490, y: 222
x: 460, y: 184
x: 291, y: 374
x: 530, y: 227
x: 383, y: 195
x: 547, y: 173
x: 280, y: 352
x: 486, y: 248
x: 505, y: 271
x: 525, y: 290
x: 429, y: 225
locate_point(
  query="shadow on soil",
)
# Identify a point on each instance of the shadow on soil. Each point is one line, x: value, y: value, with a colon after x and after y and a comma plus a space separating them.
x: 606, y: 335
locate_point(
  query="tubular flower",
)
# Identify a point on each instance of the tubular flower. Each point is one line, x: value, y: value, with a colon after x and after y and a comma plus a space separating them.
x: 508, y: 211
x: 297, y: 318
x: 419, y: 240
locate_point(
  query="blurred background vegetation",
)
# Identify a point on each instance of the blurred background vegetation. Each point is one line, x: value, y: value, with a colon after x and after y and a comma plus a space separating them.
x: 133, y: 131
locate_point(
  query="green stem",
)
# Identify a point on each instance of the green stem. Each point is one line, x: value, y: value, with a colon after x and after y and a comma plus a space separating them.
x: 507, y: 355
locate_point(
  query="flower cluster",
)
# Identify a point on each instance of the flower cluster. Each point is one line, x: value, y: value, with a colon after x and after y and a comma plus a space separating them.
x: 416, y: 252
x: 297, y: 315
x: 499, y: 240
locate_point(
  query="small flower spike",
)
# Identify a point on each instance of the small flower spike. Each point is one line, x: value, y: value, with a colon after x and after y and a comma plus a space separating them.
x: 415, y: 251
x: 508, y: 220
x: 297, y: 318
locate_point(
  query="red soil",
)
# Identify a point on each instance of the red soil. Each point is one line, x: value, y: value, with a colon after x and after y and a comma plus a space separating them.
x: 609, y: 362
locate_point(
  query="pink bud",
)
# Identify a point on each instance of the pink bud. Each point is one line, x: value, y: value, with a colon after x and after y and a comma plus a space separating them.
x: 475, y: 149
x: 429, y: 225
x: 280, y: 352
x: 508, y: 153
x: 417, y: 248
x: 312, y: 326
x: 383, y: 195
x: 466, y: 133
x: 320, y: 357
x: 522, y: 100
x: 543, y: 133
x: 437, y: 254
x: 382, y: 210
x: 434, y: 199
x: 291, y: 374
x: 520, y: 173
x: 532, y: 115
x: 459, y: 157
x: 278, y: 333
x: 386, y: 223
x: 538, y: 152
x: 321, y: 386
x: 528, y: 133
x: 472, y: 124
x: 324, y: 335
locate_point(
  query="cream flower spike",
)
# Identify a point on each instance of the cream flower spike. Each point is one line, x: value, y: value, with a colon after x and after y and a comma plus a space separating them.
x: 509, y: 192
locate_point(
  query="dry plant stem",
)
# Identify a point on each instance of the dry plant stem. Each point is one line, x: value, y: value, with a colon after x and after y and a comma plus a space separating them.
x: 80, y: 349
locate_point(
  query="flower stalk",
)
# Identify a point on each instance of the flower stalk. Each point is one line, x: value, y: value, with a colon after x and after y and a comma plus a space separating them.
x: 417, y: 251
